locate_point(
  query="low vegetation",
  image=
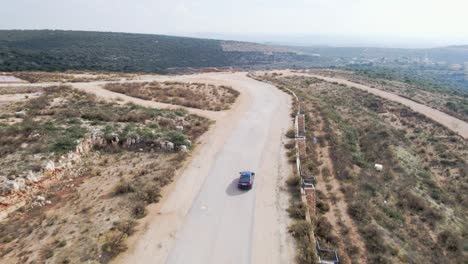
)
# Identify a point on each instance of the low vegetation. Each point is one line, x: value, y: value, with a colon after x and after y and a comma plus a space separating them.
x: 196, y: 95
x: 414, y: 210
x: 451, y: 101
x: 85, y: 208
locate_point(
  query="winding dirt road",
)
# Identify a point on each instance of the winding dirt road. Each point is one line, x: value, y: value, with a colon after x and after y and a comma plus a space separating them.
x: 204, y: 218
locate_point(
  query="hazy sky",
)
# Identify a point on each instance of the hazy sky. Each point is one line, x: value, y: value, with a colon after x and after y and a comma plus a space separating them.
x: 431, y: 19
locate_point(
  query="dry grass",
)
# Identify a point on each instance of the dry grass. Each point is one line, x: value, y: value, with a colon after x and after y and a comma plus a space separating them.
x: 451, y: 103
x: 196, y: 95
x: 414, y: 211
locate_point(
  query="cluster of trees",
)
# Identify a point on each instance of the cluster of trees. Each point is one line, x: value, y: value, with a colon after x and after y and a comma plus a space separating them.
x: 50, y: 50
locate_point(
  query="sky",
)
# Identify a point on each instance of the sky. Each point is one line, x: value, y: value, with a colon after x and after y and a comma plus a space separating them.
x: 346, y: 22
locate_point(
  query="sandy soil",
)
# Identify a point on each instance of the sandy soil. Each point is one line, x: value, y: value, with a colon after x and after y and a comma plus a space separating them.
x: 10, y: 98
x: 10, y: 79
x: 456, y: 125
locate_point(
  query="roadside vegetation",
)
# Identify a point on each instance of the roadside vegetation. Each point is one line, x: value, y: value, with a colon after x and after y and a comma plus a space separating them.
x: 415, y: 209
x: 451, y: 101
x: 85, y: 207
x: 196, y: 95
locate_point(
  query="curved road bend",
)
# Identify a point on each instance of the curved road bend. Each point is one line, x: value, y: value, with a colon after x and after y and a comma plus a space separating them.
x: 205, y: 218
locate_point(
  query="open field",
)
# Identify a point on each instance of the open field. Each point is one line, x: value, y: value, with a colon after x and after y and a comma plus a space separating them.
x: 195, y: 95
x: 414, y: 210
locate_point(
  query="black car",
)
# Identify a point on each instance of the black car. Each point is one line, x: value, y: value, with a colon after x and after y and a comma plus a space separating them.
x: 246, y: 180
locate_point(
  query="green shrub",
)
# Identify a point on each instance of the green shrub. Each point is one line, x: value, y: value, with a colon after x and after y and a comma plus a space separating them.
x: 291, y: 133
x: 176, y: 137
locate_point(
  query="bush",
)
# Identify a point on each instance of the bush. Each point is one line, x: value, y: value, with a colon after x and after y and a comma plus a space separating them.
x: 113, y: 245
x: 293, y: 180
x: 306, y: 252
x: 149, y: 194
x: 177, y: 138
x: 290, y: 145
x: 323, y: 206
x: 449, y: 241
x: 297, y: 210
x: 374, y: 240
x: 123, y: 188
x: 139, y: 210
x: 127, y: 227
x: 291, y: 133
x: 358, y: 211
x: 324, y: 230
x: 300, y: 229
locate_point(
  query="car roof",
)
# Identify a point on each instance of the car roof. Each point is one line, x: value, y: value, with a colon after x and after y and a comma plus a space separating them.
x: 246, y: 173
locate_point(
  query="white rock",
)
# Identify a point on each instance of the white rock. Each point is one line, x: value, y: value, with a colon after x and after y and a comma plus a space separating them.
x: 378, y: 167
x: 20, y: 113
x: 12, y: 186
x: 40, y: 198
x: 170, y: 145
x: 180, y: 128
x: 183, y: 148
x: 50, y: 166
x: 31, y: 177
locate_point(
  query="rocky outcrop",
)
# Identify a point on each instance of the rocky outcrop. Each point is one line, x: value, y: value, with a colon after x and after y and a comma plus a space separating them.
x: 18, y: 190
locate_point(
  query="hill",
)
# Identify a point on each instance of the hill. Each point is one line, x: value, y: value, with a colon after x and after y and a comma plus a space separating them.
x: 56, y: 50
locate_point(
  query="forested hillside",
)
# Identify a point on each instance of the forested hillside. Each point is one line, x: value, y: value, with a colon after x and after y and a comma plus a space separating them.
x: 52, y: 50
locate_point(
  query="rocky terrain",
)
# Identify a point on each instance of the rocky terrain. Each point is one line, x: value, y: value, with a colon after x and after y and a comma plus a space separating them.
x: 75, y: 171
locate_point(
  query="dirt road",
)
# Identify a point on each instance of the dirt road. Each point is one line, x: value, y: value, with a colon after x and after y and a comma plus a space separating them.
x: 204, y: 218
x: 456, y: 125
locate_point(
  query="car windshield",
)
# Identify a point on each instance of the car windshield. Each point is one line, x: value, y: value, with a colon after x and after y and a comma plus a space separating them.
x: 244, y: 178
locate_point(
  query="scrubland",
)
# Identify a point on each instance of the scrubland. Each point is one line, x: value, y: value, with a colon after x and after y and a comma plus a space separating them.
x: 79, y: 172
x: 414, y: 210
x: 196, y: 95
